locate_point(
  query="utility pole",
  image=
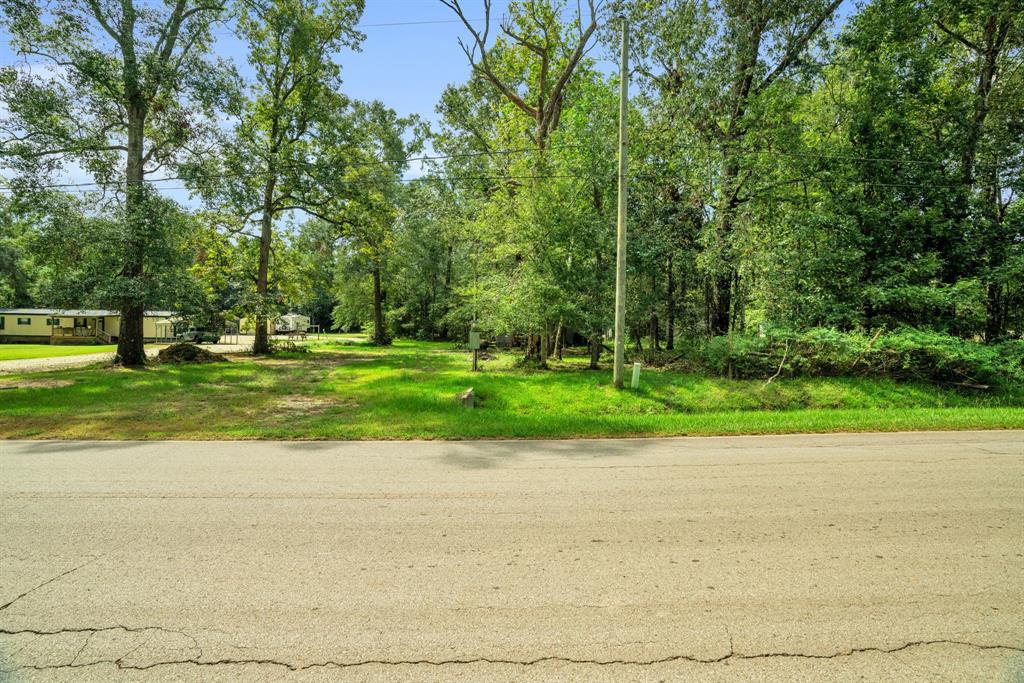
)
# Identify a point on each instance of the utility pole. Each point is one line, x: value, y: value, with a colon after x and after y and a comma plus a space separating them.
x: 620, y: 239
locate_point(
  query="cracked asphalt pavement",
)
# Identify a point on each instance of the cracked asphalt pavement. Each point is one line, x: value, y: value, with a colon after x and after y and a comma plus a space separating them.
x: 818, y: 557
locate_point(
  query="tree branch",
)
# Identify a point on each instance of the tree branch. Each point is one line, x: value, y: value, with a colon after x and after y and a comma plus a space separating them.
x: 798, y: 45
x: 958, y: 37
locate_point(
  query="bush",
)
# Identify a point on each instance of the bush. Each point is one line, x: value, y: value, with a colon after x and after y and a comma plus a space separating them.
x: 287, y: 346
x: 905, y: 354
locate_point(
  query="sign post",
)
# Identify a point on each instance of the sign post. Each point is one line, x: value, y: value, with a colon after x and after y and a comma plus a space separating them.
x: 474, y: 344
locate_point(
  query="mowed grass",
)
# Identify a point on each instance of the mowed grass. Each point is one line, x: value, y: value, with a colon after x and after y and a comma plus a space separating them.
x: 355, y: 391
x: 27, y: 351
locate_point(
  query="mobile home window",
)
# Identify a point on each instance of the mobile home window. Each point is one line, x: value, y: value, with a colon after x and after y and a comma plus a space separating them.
x: 53, y: 322
x: 1, y: 322
x: 24, y: 321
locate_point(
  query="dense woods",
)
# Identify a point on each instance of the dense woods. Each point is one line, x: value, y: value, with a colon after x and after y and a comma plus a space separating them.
x: 794, y: 164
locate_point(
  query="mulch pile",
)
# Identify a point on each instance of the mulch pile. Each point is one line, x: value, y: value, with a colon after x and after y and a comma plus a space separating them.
x: 187, y: 352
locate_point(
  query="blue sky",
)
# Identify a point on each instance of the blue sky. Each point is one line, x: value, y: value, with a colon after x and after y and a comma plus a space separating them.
x: 405, y: 66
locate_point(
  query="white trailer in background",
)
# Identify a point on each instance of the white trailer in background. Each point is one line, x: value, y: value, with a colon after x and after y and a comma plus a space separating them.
x: 292, y: 322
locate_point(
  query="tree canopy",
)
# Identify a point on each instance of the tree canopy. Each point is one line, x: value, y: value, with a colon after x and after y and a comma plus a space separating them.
x: 792, y: 166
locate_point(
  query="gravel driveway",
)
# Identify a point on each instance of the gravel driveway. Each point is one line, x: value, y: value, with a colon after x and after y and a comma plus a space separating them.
x: 9, y: 367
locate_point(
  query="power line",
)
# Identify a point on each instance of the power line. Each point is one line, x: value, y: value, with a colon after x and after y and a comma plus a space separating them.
x: 81, y: 187
x: 432, y: 157
x: 519, y: 150
x: 379, y: 25
x: 506, y: 152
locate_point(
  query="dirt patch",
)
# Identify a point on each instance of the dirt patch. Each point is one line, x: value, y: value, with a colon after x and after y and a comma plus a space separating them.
x: 35, y: 383
x: 286, y: 362
x: 341, y: 359
x: 320, y: 358
x: 304, y: 405
x: 186, y: 352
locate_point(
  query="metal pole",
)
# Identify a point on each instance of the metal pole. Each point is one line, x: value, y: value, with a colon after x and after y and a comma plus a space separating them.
x: 620, y: 241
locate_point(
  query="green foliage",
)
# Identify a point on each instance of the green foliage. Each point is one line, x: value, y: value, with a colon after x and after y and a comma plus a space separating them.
x: 904, y: 354
x: 19, y: 272
x: 791, y: 167
x: 84, y: 253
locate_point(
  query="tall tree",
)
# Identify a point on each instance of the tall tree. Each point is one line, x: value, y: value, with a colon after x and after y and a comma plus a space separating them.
x: 530, y: 66
x: 295, y: 109
x: 368, y: 198
x: 124, y: 88
x: 533, y: 29
x: 719, y: 62
x: 989, y: 33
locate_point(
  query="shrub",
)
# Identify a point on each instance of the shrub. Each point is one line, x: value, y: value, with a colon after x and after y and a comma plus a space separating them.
x: 287, y: 346
x: 905, y: 354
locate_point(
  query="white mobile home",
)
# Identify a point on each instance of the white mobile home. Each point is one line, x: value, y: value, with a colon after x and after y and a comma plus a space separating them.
x: 66, y: 326
x: 292, y: 322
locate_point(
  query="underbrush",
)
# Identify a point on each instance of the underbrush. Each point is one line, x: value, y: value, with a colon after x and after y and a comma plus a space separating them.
x: 906, y: 355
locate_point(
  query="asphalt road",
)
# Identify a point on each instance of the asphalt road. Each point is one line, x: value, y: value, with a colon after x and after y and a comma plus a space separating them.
x: 840, y: 557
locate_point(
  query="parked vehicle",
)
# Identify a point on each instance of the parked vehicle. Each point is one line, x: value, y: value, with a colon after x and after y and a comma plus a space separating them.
x: 198, y: 336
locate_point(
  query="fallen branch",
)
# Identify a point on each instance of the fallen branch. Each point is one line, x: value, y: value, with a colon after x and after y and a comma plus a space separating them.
x: 778, y: 372
x: 867, y: 349
x: 610, y: 350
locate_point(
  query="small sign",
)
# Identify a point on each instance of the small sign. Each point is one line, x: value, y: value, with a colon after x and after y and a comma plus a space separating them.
x: 474, y: 341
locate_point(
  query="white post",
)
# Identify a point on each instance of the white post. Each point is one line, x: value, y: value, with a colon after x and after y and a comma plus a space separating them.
x: 635, y: 384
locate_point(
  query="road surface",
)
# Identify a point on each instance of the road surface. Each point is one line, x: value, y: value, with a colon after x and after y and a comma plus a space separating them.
x: 838, y: 557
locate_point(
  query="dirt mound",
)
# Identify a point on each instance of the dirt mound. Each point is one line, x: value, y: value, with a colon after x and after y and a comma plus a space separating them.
x: 187, y: 352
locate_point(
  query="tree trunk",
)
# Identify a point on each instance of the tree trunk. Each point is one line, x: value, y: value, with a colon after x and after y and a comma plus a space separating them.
x: 380, y: 335
x: 595, y: 350
x: 261, y: 344
x: 995, y: 320
x: 558, y: 341
x: 742, y: 84
x: 994, y: 38
x: 130, y: 342
x: 721, y: 305
x: 670, y: 309
x: 738, y: 319
x: 545, y: 345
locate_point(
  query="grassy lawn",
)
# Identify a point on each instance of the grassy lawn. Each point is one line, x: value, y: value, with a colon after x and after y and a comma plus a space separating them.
x: 352, y: 391
x: 26, y: 351
x: 30, y: 351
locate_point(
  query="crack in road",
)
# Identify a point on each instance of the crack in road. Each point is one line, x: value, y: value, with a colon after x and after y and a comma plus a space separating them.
x: 63, y: 574
x: 292, y: 666
x: 49, y: 581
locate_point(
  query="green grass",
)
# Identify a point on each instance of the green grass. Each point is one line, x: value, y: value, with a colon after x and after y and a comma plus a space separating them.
x: 27, y: 351
x: 32, y: 351
x: 353, y: 391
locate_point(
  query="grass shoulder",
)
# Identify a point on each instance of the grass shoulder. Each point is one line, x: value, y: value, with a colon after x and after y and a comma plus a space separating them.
x: 343, y: 389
